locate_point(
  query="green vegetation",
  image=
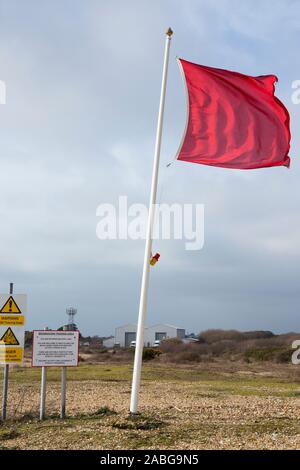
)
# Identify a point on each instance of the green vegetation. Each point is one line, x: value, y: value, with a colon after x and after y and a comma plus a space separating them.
x: 204, y: 406
x: 138, y: 422
x: 249, y: 346
x: 104, y: 411
x: 219, y: 378
x: 150, y: 353
x: 281, y: 354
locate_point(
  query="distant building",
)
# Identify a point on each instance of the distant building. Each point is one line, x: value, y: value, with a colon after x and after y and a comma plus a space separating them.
x: 127, y: 333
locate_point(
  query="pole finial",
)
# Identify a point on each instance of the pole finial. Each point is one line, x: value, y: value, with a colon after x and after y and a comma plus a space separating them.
x: 169, y: 32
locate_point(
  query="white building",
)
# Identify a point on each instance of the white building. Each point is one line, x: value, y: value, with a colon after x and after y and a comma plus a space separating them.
x: 127, y: 333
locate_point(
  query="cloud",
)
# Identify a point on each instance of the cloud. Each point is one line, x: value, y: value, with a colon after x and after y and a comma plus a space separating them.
x: 83, y: 83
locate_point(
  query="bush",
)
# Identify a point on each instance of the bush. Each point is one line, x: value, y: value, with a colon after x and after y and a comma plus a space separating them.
x: 150, y: 353
x: 28, y: 338
x: 258, y: 334
x: 214, y: 336
x: 87, y: 350
x: 100, y: 356
x: 183, y: 356
x: 171, y: 345
x: 268, y: 354
x: 105, y: 411
x: 285, y: 356
x: 188, y: 356
x: 224, y: 346
x: 101, y: 350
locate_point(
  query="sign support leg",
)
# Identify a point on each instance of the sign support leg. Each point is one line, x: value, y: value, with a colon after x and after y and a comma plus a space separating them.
x: 43, y: 393
x: 43, y: 390
x: 5, y: 391
x: 63, y: 392
x: 6, y: 372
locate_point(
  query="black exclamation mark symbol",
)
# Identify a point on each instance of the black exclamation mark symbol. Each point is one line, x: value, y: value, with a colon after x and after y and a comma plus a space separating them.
x: 10, y: 305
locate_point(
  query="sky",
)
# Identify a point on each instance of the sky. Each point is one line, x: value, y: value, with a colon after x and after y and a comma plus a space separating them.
x: 78, y: 129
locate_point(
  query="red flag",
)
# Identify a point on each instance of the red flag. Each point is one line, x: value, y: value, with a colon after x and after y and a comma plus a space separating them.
x: 234, y: 120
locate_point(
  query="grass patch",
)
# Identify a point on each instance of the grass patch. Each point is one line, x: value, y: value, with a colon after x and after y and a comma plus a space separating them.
x: 212, y: 380
x: 10, y: 434
x: 288, y: 427
x: 104, y: 411
x: 138, y: 422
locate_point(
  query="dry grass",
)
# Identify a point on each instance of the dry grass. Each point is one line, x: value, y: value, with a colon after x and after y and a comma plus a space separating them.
x: 211, y: 406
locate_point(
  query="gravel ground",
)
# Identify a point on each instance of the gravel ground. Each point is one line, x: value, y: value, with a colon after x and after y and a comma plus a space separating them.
x: 174, y: 414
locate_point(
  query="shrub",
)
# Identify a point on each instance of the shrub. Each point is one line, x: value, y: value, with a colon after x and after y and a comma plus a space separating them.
x: 171, y: 345
x: 266, y: 354
x: 28, y: 338
x: 87, y: 350
x: 214, y: 336
x: 105, y: 411
x: 138, y: 422
x: 184, y: 356
x: 150, y: 353
x: 100, y: 356
x: 189, y: 356
x: 258, y: 334
x: 101, y: 350
x: 285, y: 356
x: 224, y: 346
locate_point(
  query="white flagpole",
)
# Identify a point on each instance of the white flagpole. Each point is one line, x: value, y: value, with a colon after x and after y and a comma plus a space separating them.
x: 136, y: 379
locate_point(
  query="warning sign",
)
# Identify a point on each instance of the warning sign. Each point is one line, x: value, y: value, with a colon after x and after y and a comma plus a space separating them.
x: 13, y: 303
x: 12, y: 322
x: 9, y: 338
x: 10, y: 306
x: 9, y: 355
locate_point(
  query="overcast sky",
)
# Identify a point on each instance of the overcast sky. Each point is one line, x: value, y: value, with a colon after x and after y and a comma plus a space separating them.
x: 78, y: 129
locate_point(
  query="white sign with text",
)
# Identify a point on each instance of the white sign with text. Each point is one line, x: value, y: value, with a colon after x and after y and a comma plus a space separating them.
x: 55, y: 348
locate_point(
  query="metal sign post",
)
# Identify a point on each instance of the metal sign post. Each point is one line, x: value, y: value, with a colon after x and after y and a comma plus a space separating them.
x: 5, y: 391
x: 43, y: 391
x: 6, y: 372
x: 63, y: 392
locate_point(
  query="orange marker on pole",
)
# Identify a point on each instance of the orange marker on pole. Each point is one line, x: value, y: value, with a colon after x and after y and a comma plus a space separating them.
x: 154, y: 259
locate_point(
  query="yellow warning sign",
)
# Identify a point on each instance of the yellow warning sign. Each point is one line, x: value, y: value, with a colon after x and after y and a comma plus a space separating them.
x: 12, y: 320
x: 9, y: 338
x: 9, y: 355
x: 10, y: 306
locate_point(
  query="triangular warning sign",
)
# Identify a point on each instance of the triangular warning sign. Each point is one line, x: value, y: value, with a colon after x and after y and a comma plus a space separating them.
x: 10, y: 306
x: 9, y: 338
